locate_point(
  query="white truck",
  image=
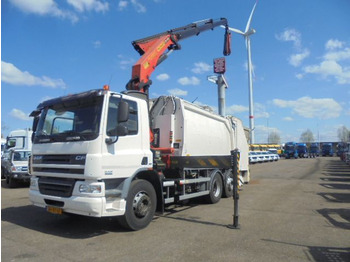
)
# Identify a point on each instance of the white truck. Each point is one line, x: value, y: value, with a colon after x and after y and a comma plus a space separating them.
x: 92, y: 155
x: 19, y: 139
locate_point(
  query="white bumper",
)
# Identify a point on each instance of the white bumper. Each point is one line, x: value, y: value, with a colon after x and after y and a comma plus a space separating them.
x: 86, y: 206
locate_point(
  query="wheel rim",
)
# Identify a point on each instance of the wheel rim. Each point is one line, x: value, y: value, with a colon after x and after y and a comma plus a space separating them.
x: 216, y: 189
x: 142, y: 204
x: 229, y: 184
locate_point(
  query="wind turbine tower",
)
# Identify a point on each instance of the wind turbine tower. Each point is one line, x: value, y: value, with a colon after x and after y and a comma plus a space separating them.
x: 246, y: 34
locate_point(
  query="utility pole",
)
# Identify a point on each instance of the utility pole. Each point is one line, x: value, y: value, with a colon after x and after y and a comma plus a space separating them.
x: 220, y: 81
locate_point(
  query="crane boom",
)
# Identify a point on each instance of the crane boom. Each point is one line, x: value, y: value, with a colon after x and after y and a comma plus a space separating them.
x: 153, y: 49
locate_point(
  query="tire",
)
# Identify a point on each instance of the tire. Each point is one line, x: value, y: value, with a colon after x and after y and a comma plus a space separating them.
x: 215, y: 189
x: 228, y: 184
x: 12, y: 183
x: 141, y: 204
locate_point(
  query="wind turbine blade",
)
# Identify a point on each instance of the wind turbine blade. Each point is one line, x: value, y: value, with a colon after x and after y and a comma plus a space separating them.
x: 250, y: 63
x: 234, y: 30
x: 250, y: 18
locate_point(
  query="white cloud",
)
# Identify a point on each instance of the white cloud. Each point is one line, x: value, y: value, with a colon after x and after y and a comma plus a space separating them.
x: 299, y: 76
x: 125, y: 62
x: 330, y: 68
x: 333, y: 44
x: 162, y: 77
x: 97, y: 44
x: 185, y: 81
x: 335, y: 63
x: 12, y: 75
x: 201, y: 67
x: 177, y: 92
x: 140, y: 8
x: 290, y: 35
x: 297, y: 59
x: 89, y: 5
x: 44, y: 7
x: 19, y: 114
x: 288, y: 118
x: 122, y: 5
x: 338, y: 55
x: 235, y: 109
x: 322, y: 108
x: 260, y: 111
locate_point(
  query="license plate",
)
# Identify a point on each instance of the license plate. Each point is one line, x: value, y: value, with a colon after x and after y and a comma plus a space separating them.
x: 55, y: 210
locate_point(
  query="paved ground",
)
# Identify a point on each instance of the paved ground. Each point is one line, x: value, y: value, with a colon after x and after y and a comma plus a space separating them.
x: 293, y: 210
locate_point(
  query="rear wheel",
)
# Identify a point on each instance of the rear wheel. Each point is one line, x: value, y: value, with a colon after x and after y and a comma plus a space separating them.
x: 140, y: 205
x: 215, y: 189
x: 228, y: 184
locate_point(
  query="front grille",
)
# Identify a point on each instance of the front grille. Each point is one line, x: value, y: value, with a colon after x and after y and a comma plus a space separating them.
x: 61, y: 187
x: 59, y: 170
x: 63, y: 164
x: 60, y: 159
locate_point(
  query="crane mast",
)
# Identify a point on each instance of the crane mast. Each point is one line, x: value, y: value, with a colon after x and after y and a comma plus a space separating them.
x: 153, y: 49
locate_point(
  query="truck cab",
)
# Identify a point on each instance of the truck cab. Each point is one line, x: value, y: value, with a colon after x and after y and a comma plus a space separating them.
x: 302, y: 150
x: 290, y: 150
x: 82, y: 151
x: 327, y: 149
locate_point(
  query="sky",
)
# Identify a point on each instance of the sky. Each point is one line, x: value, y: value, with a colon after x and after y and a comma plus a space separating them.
x: 300, y: 54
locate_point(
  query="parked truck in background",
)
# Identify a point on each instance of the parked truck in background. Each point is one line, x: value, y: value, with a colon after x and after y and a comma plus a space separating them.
x: 314, y: 150
x: 290, y: 150
x: 327, y: 149
x: 302, y: 150
x: 102, y: 153
x: 14, y: 166
x: 19, y: 139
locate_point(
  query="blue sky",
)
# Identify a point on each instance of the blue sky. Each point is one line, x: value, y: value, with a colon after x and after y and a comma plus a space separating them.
x: 300, y: 53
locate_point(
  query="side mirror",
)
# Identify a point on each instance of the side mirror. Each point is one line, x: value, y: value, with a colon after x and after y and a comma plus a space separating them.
x: 123, y: 111
x: 122, y: 130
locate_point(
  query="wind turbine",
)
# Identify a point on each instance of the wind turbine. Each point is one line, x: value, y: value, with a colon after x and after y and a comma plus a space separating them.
x: 246, y: 34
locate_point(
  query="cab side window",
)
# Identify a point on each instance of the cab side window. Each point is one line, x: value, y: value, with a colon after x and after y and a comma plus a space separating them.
x: 131, y: 124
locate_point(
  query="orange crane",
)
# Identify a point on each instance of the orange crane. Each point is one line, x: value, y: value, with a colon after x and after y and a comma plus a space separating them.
x: 153, y: 50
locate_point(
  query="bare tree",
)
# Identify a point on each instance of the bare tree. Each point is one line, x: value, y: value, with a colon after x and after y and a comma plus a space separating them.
x: 3, y: 128
x: 343, y: 134
x: 274, y: 138
x: 307, y: 136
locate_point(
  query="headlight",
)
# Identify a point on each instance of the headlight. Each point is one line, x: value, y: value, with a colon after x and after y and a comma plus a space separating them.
x: 92, y: 189
x: 34, y: 183
x: 16, y: 168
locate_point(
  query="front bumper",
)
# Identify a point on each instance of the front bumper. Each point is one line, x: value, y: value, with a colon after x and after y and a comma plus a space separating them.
x: 95, y: 205
x: 24, y: 177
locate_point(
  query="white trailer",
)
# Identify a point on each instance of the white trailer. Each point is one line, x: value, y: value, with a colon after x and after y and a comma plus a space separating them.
x: 101, y: 153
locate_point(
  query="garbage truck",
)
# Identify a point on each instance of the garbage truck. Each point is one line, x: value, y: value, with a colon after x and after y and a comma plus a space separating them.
x: 92, y: 155
x: 102, y: 153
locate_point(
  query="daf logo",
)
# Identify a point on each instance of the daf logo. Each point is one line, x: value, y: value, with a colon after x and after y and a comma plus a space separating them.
x: 80, y: 158
x: 37, y: 157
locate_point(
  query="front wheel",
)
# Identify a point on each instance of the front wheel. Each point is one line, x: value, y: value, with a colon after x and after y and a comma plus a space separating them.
x: 141, y: 204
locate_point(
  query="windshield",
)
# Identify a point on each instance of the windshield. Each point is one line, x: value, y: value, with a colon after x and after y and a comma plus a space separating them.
x: 21, y: 155
x: 74, y: 120
x: 290, y: 147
